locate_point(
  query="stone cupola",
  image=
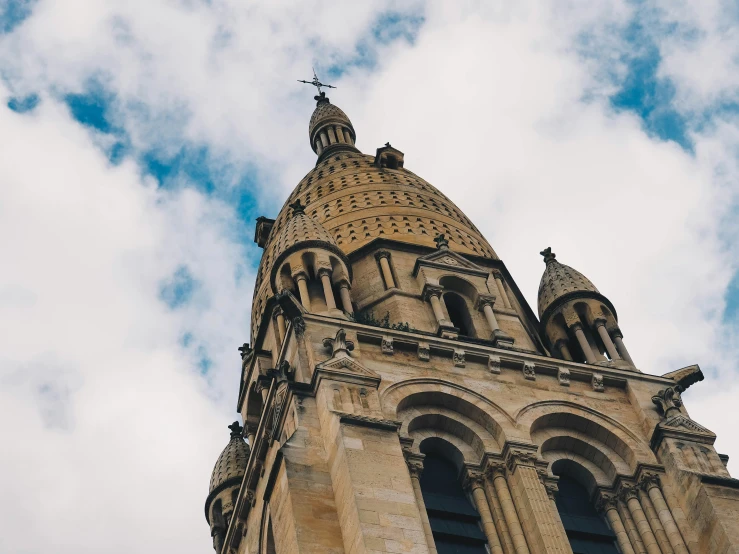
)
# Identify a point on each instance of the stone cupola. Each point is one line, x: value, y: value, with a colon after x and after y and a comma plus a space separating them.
x: 579, y: 323
x: 225, y: 482
x: 330, y: 129
x: 310, y: 264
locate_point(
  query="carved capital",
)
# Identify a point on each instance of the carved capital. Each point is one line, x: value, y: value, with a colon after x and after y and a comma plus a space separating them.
x: 382, y: 254
x: 431, y: 290
x: 617, y: 333
x: 628, y: 492
x: 484, y: 300
x: 575, y: 326
x: 552, y: 490
x: 606, y: 502
x: 495, y: 469
x: 598, y: 322
x: 520, y: 458
x: 648, y: 481
x: 324, y: 271
x: 298, y: 272
x: 473, y: 479
x: 415, y: 467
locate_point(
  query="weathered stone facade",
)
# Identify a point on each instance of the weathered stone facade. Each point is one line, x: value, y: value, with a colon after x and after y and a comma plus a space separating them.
x: 387, y: 333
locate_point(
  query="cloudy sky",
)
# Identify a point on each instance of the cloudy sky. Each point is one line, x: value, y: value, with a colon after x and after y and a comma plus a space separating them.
x: 140, y: 139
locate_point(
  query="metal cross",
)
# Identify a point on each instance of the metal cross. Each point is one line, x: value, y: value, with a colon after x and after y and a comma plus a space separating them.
x: 315, y: 82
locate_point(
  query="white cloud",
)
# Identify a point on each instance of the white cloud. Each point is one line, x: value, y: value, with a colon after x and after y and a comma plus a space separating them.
x: 112, y: 427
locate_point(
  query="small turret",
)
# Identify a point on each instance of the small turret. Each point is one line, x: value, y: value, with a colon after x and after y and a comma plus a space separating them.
x: 310, y: 264
x: 579, y: 323
x: 225, y: 482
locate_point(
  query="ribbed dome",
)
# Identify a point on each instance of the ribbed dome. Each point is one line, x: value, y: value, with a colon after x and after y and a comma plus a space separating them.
x: 559, y: 280
x: 325, y: 111
x: 232, y: 461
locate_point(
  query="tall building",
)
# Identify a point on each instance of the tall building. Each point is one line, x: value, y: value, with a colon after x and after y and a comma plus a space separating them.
x: 400, y: 395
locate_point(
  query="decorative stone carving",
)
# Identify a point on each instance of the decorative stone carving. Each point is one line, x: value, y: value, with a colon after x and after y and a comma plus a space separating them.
x: 431, y: 290
x: 648, y: 481
x: 529, y: 371
x: 387, y: 345
x: 245, y: 350
x: 598, y: 382
x: 563, y: 376
x: 339, y: 344
x: 441, y: 242
x: 494, y: 364
x: 606, y: 502
x: 520, y: 458
x: 458, y: 358
x: 628, y: 492
x: 473, y: 479
x: 299, y: 326
x: 415, y: 467
x: 668, y: 401
x: 424, y: 351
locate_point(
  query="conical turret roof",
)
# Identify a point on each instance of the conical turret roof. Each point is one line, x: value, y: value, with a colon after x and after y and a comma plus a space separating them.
x: 232, y: 461
x: 558, y: 281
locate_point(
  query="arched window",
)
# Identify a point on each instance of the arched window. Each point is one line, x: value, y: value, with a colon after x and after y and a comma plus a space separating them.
x: 459, y: 314
x: 454, y: 521
x: 586, y: 530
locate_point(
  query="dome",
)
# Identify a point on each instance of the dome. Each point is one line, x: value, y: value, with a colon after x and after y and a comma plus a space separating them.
x: 326, y: 111
x: 559, y: 281
x: 231, y: 464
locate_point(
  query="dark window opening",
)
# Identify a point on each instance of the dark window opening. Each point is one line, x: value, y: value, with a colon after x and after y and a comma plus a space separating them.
x: 586, y: 530
x: 455, y: 523
x: 456, y: 307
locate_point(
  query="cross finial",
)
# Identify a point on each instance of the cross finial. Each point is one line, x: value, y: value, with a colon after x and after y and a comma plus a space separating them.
x: 318, y: 84
x: 297, y: 207
x: 548, y: 254
x: 236, y: 429
x: 441, y: 242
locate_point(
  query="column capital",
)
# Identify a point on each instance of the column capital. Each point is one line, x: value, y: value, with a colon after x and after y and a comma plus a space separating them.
x: 598, y: 321
x: 415, y: 467
x: 473, y: 479
x: 497, y: 274
x: 520, y: 458
x: 382, y: 254
x: 324, y: 271
x: 552, y: 489
x: 605, y: 502
x: 617, y: 333
x: 494, y: 468
x: 344, y: 283
x: 431, y: 290
x: 628, y: 492
x: 575, y: 326
x: 299, y: 273
x: 484, y: 300
x: 648, y: 481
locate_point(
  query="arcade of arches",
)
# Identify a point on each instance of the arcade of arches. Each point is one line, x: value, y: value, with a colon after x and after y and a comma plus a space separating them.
x: 399, y: 395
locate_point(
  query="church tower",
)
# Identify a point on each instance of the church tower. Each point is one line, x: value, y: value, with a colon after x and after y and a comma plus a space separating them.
x: 400, y: 395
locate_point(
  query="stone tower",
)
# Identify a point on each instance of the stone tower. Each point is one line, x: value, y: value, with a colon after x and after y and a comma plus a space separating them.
x: 400, y: 395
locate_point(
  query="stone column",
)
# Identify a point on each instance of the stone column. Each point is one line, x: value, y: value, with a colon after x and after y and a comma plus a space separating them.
x: 331, y: 135
x: 655, y: 523
x: 348, y: 136
x: 619, y: 338
x: 501, y: 289
x: 631, y: 529
x: 609, y: 506
x: 415, y: 467
x: 564, y: 350
x: 339, y: 134
x: 328, y: 293
x: 474, y: 481
x: 600, y: 326
x: 384, y: 257
x: 302, y: 280
x: 250, y: 435
x: 498, y: 517
x: 324, y: 138
x: 650, y: 483
x: 497, y: 473
x: 281, y: 326
x: 631, y: 497
x: 346, y: 299
x: 544, y: 533
x: 319, y: 146
x: 485, y: 302
x: 583, y: 342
